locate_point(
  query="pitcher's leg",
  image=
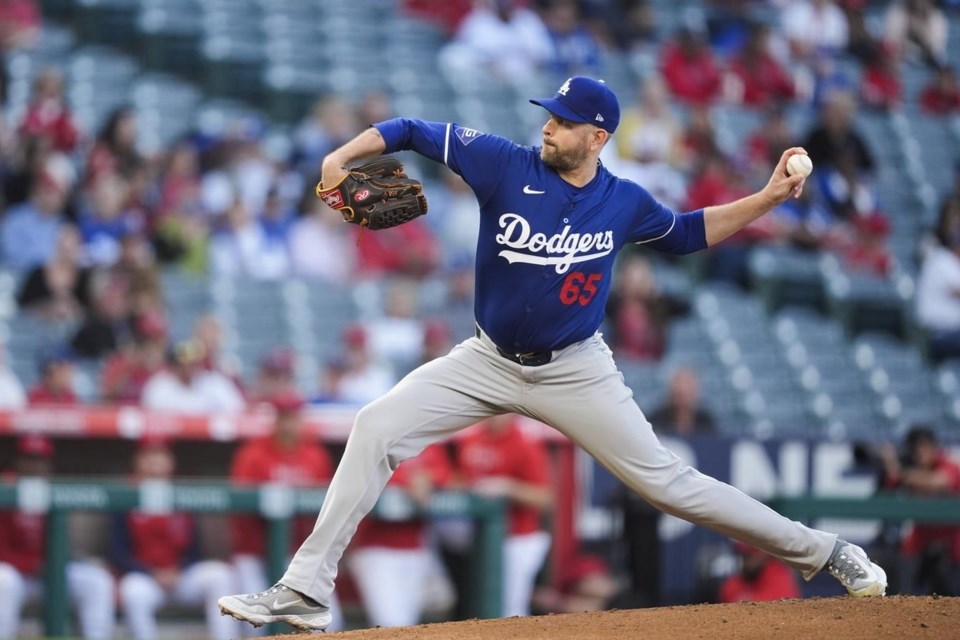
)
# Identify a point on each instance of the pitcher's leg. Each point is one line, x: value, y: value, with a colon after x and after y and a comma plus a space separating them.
x: 434, y: 401
x: 598, y: 412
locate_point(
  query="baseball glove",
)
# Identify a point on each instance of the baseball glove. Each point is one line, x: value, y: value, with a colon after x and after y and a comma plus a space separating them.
x: 376, y: 195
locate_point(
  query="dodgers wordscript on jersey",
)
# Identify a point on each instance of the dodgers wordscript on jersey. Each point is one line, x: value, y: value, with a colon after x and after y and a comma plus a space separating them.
x: 563, y: 248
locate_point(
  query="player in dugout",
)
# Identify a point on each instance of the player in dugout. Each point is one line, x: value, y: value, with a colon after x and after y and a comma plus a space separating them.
x: 22, y: 535
x: 160, y: 559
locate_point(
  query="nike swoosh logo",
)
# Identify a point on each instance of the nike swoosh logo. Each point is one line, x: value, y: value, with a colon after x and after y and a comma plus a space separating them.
x: 280, y: 607
x: 532, y: 192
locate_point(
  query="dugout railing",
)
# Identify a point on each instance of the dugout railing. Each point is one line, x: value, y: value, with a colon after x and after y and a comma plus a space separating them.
x: 887, y: 507
x: 277, y: 504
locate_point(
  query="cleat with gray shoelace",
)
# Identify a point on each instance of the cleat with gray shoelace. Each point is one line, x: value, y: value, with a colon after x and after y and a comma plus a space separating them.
x: 850, y: 565
x: 279, y: 603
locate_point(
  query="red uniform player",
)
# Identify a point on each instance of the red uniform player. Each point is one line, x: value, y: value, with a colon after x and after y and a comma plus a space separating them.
x: 497, y: 459
x: 761, y: 578
x: 22, y: 538
x: 159, y: 556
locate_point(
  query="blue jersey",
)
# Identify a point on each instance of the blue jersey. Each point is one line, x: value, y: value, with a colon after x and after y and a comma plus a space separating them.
x: 546, y: 249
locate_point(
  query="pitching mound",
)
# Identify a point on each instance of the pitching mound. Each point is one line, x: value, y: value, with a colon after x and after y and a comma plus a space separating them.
x: 891, y: 618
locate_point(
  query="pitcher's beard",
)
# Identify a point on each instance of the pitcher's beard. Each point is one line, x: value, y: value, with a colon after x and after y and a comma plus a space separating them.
x: 563, y: 161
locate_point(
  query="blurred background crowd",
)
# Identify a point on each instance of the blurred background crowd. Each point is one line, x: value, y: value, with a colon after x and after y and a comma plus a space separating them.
x: 161, y: 244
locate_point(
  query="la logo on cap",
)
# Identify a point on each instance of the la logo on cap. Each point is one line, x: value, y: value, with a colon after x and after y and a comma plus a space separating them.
x: 565, y: 87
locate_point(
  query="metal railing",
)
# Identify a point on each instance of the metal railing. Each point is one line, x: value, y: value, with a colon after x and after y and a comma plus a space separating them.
x: 278, y: 504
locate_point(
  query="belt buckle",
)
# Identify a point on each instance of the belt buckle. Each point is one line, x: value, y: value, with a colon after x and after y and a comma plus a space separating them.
x: 531, y: 359
x: 521, y: 357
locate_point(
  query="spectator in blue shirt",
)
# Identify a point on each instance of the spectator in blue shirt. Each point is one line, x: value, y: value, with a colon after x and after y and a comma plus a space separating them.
x: 29, y: 231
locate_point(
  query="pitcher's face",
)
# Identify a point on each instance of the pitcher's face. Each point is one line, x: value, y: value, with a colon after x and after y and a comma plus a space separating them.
x: 566, y: 144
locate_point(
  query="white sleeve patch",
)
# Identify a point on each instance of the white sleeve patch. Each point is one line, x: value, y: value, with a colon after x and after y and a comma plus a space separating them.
x: 665, y: 233
x: 467, y: 135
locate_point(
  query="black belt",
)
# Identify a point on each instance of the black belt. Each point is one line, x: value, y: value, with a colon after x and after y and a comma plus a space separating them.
x: 532, y: 359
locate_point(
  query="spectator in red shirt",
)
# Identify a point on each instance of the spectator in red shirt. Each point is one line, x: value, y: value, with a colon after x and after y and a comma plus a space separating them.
x: 933, y: 550
x: 637, y: 312
x: 880, y: 87
x: 699, y: 141
x: 867, y: 251
x: 390, y: 558
x: 126, y: 372
x: 286, y: 456
x: 275, y: 373
x: 48, y: 115
x: 115, y: 150
x: 690, y: 70
x: 942, y: 95
x: 446, y: 13
x: 762, y: 79
x: 496, y: 459
x: 761, y: 578
x: 719, y: 181
x: 56, y: 384
x: 768, y: 141
x: 410, y: 249
x: 436, y: 340
x: 159, y: 557
x: 19, y: 24
x: 22, y: 536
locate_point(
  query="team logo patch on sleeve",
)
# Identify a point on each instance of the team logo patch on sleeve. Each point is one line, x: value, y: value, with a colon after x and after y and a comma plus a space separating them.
x: 466, y: 134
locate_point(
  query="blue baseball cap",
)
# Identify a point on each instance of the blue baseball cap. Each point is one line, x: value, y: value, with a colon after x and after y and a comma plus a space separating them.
x: 583, y: 99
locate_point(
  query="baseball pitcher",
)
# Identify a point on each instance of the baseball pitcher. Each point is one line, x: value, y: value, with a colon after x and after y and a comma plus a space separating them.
x: 552, y: 221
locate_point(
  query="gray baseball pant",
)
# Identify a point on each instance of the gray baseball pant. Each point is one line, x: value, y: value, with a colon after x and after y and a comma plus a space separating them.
x: 581, y: 394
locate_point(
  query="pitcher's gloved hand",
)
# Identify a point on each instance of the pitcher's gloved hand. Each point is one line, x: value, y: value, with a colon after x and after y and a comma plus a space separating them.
x: 376, y: 195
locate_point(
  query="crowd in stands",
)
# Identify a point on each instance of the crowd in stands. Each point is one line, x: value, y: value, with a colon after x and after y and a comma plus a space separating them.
x: 89, y: 221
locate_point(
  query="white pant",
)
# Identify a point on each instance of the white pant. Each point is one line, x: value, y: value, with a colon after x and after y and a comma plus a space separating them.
x: 581, y: 393
x: 390, y: 583
x: 251, y: 574
x: 141, y: 595
x: 89, y: 586
x: 523, y: 556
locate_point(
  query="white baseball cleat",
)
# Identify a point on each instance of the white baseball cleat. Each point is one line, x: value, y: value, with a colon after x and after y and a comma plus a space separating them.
x: 850, y: 565
x: 277, y: 604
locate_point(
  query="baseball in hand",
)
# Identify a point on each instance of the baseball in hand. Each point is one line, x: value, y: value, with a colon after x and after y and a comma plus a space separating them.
x: 799, y: 163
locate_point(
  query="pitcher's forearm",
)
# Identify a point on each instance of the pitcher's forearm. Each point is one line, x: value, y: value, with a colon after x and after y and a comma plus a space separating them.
x: 722, y: 221
x: 368, y: 143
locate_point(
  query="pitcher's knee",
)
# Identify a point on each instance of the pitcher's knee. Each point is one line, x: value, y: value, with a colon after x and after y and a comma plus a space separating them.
x: 377, y: 424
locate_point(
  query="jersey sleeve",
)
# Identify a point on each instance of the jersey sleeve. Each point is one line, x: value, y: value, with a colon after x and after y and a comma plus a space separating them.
x: 475, y: 156
x: 660, y: 228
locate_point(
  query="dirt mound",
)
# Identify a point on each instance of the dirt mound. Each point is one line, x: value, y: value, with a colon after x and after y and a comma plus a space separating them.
x: 891, y: 618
